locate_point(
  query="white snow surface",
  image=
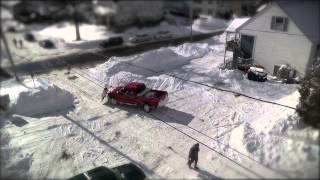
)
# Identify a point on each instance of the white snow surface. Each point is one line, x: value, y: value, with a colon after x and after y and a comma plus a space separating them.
x: 207, y: 23
x: 38, y: 98
x: 261, y: 136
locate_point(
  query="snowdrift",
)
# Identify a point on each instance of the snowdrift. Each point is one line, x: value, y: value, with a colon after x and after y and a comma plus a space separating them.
x: 166, y: 59
x: 261, y: 131
x: 45, y: 98
x: 208, y: 23
x: 119, y: 70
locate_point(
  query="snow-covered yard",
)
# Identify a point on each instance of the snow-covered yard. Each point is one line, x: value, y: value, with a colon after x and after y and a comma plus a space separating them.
x: 63, y: 36
x: 239, y: 137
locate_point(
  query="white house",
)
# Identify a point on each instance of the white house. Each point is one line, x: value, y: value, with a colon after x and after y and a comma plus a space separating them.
x: 127, y: 11
x: 284, y: 32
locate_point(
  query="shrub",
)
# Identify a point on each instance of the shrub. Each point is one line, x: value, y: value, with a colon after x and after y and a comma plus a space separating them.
x: 309, y: 105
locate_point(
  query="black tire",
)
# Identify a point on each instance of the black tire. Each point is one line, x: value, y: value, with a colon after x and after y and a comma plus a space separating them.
x: 146, y: 108
x: 112, y: 101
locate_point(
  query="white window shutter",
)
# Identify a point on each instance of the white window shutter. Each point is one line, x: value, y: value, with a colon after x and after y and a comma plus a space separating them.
x: 273, y: 21
x: 285, y: 28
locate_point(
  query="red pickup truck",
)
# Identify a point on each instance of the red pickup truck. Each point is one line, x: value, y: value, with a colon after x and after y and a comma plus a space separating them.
x: 135, y: 93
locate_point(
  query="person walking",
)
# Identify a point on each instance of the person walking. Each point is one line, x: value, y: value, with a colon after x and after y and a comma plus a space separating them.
x: 21, y: 43
x: 15, y: 42
x: 104, y: 92
x: 193, y: 155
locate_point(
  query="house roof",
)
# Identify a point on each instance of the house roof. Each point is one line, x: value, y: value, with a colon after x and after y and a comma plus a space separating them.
x: 305, y: 14
x: 237, y: 22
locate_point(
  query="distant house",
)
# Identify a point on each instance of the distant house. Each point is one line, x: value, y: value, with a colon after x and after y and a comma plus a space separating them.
x: 127, y: 12
x: 215, y: 7
x: 284, y: 32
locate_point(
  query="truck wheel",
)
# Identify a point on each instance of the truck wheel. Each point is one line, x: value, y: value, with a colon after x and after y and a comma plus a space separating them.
x: 146, y: 108
x: 113, y: 101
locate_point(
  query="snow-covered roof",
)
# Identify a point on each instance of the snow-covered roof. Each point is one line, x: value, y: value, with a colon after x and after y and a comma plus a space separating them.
x: 305, y: 14
x: 261, y: 7
x: 237, y: 22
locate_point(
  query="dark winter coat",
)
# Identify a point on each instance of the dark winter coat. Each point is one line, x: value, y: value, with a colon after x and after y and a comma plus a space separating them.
x: 193, y: 153
x: 104, y: 93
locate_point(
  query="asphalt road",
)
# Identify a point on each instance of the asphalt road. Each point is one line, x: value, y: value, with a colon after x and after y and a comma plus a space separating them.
x: 92, y: 57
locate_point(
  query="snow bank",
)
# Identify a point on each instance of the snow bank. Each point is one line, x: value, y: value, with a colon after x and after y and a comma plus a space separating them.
x: 6, y: 14
x: 45, y: 98
x: 66, y: 31
x: 119, y: 70
x: 208, y: 23
x: 191, y: 50
x: 279, y: 144
x: 162, y: 60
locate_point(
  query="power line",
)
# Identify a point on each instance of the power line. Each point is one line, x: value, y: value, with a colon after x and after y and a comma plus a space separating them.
x: 176, y: 129
x: 229, y: 147
x: 212, y: 87
x: 64, y: 62
x: 235, y: 150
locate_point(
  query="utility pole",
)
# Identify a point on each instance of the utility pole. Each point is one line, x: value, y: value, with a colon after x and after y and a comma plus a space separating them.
x: 191, y: 19
x: 76, y: 22
x: 5, y: 42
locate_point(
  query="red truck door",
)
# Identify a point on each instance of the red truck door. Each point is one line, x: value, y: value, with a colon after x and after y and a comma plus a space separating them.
x: 121, y: 96
x: 131, y: 97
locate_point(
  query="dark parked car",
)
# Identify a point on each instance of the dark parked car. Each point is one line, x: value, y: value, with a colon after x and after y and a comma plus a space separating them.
x: 113, y: 41
x: 123, y: 172
x: 48, y: 44
x: 257, y: 74
x: 29, y: 37
x: 11, y: 29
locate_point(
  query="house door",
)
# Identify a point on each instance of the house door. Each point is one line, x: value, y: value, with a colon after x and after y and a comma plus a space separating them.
x: 246, y: 45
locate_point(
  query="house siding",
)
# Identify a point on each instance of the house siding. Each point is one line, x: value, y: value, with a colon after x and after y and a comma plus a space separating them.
x: 276, y: 47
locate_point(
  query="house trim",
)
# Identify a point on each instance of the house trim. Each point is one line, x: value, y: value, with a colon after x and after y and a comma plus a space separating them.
x: 254, y: 43
x: 263, y: 11
x: 255, y: 16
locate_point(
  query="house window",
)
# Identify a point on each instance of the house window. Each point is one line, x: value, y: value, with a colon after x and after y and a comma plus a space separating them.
x: 210, y: 1
x: 279, y: 23
x: 196, y: 11
x: 210, y: 11
x: 198, y: 1
x: 220, y: 3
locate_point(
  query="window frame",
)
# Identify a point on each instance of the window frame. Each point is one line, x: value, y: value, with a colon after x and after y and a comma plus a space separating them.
x: 279, y: 26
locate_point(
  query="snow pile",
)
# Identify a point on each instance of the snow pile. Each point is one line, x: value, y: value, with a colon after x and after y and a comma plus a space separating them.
x: 66, y: 31
x: 6, y: 14
x: 122, y: 78
x: 206, y: 23
x: 119, y: 70
x: 191, y: 50
x: 161, y: 60
x: 279, y: 144
x: 45, y: 98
